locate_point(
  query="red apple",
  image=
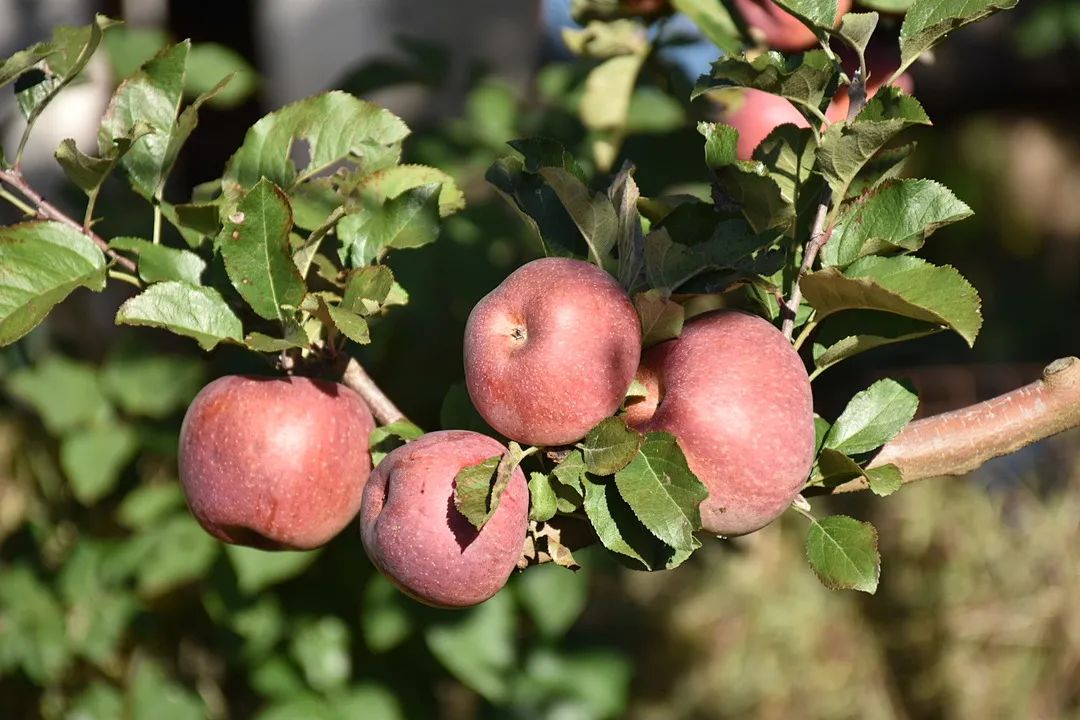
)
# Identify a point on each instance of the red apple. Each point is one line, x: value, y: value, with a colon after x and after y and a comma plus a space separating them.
x: 781, y: 29
x: 736, y: 395
x: 414, y: 534
x: 551, y: 351
x: 275, y: 463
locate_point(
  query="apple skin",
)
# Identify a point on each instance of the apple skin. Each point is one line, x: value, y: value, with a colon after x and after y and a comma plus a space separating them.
x: 551, y: 351
x: 781, y: 29
x: 275, y: 463
x: 415, y: 535
x: 736, y: 395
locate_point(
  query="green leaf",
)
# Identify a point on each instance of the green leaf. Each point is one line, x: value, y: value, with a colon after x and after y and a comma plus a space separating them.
x: 622, y: 533
x: 151, y: 97
x: 391, y: 182
x: 295, y: 337
x: 818, y: 15
x: 158, y: 263
x: 541, y: 152
x: 884, y: 480
x: 321, y: 647
x: 172, y: 554
x: 65, y: 394
x: 472, y: 490
x: 904, y: 285
x: 209, y: 63
x: 129, y: 48
x: 149, y: 505
x: 888, y: 6
x: 154, y: 695
x: 592, y: 213
x: 148, y: 384
x: 873, y: 417
x: 196, y: 312
x: 732, y: 245
x: 98, y: 624
x: 663, y: 492
x: 349, y: 324
x: 384, y: 620
x: 477, y: 647
x: 624, y: 195
x: 367, y: 289
x: 387, y: 437
x: 609, y: 446
x: 33, y: 634
x: 368, y: 701
x: 93, y: 459
x: 661, y: 318
x: 898, y: 215
x: 751, y: 184
x: 571, y: 471
x: 43, y: 263
x: 203, y: 218
x: 255, y: 246
x: 843, y: 553
x: 410, y: 220
x: 257, y: 570
x: 335, y: 126
x: 554, y: 597
x: 71, y: 50
x: 609, y: 86
x: 803, y: 79
x: 788, y: 155
x: 847, y: 147
x: 98, y: 701
x: 855, y: 331
x: 714, y: 21
x: 543, y: 503
x: 857, y: 28
x: 538, y: 205
x: 927, y: 22
x: 88, y: 172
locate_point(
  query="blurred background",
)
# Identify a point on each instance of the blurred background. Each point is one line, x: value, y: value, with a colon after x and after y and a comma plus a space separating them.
x: 114, y: 604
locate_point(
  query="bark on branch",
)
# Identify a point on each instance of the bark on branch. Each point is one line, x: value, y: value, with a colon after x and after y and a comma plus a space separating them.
x: 45, y: 210
x: 957, y: 442
x: 382, y: 407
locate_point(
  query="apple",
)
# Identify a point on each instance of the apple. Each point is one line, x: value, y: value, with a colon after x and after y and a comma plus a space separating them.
x: 779, y: 28
x: 736, y: 395
x: 414, y: 534
x: 275, y: 463
x: 551, y: 351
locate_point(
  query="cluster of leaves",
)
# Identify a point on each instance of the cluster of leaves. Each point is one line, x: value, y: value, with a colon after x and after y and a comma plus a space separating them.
x: 272, y: 256
x: 747, y: 246
x: 117, y: 554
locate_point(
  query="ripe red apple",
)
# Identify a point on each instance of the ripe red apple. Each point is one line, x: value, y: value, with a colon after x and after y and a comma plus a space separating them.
x: 781, y: 29
x: 551, y: 351
x: 414, y: 534
x: 275, y: 463
x: 736, y: 395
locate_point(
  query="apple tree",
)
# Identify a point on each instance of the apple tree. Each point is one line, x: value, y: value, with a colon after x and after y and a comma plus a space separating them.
x: 646, y: 386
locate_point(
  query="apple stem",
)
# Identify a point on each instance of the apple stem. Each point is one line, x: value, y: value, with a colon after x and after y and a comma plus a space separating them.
x: 383, y: 408
x: 959, y: 441
x: 45, y: 210
x: 819, y: 235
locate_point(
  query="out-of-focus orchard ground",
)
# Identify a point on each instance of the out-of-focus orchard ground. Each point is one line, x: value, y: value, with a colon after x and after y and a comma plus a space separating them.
x: 113, y: 604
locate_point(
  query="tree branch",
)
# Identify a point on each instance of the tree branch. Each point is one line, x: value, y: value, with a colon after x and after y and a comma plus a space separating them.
x: 819, y: 235
x: 47, y: 211
x: 957, y: 442
x: 383, y: 408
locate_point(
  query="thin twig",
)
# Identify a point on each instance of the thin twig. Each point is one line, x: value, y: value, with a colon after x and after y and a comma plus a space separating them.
x: 383, y: 408
x: 47, y: 211
x: 957, y: 442
x: 819, y: 234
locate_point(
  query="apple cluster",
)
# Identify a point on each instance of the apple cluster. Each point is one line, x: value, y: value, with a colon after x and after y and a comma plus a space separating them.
x: 755, y: 113
x: 284, y: 463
